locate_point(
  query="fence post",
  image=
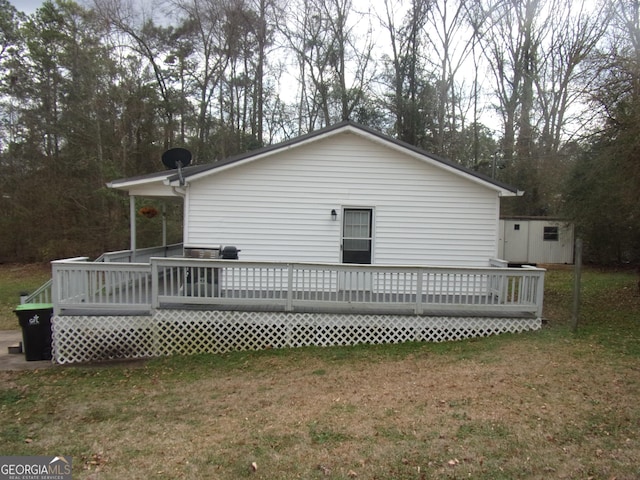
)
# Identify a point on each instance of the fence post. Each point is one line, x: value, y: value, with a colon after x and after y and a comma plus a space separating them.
x: 577, y: 273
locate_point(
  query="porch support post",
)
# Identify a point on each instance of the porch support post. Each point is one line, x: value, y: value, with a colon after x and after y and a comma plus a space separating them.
x: 132, y: 227
x: 164, y: 224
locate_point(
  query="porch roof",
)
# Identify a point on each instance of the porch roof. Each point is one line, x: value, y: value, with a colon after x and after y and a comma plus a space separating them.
x: 150, y: 185
x: 169, y: 183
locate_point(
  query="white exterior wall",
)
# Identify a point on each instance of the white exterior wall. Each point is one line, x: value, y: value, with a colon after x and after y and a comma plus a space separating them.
x: 545, y: 251
x: 279, y: 207
x: 527, y: 245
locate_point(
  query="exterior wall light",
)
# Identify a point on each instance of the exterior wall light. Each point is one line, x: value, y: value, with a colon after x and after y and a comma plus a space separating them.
x: 334, y: 215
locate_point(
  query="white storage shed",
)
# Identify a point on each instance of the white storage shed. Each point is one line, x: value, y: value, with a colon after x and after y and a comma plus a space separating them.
x: 534, y: 240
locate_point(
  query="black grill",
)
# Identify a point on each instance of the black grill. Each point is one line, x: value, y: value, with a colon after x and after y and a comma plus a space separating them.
x: 229, y: 253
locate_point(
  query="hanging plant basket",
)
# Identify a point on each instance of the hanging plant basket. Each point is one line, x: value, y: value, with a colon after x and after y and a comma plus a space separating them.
x: 148, y: 212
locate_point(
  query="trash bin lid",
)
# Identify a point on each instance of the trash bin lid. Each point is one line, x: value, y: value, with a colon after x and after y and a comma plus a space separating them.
x: 33, y: 306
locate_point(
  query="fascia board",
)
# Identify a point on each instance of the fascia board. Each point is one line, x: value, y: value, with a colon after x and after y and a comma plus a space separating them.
x: 154, y: 187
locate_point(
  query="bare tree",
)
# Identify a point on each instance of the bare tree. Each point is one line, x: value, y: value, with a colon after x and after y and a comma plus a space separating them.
x: 602, y: 195
x: 538, y: 51
x: 147, y: 40
x: 199, y: 49
x: 300, y: 27
x: 407, y: 71
x: 563, y: 77
x: 451, y: 43
x: 334, y: 61
x: 263, y: 34
x: 511, y: 46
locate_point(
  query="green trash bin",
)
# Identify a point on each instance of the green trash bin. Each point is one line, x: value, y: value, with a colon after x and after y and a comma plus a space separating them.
x: 35, y: 320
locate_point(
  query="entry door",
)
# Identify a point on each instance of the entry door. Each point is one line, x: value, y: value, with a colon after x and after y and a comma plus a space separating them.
x: 356, y: 235
x: 356, y: 248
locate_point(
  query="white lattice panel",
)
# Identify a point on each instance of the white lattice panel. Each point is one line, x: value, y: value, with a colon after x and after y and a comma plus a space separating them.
x: 186, y: 332
x: 94, y: 338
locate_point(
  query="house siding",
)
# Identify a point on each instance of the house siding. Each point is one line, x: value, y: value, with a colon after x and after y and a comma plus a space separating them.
x: 278, y: 207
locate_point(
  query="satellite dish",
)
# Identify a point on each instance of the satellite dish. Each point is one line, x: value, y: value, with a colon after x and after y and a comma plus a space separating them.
x: 177, y: 158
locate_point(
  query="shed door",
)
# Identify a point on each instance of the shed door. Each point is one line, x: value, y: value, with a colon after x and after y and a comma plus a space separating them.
x: 516, y: 241
x: 356, y: 235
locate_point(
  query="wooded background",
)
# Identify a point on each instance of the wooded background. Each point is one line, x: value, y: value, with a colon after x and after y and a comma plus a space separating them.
x: 541, y: 94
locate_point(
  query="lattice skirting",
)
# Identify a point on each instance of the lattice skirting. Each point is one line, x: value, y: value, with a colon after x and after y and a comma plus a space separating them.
x: 184, y: 332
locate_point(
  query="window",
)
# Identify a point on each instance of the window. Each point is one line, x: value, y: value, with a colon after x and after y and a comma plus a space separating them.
x: 551, y: 234
x: 516, y: 226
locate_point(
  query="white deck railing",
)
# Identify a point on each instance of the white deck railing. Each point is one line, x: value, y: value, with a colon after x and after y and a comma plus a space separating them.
x: 81, y: 286
x: 43, y: 293
x: 142, y: 255
x: 77, y: 284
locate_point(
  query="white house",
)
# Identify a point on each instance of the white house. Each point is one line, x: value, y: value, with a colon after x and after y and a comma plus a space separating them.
x: 342, y: 194
x: 345, y: 235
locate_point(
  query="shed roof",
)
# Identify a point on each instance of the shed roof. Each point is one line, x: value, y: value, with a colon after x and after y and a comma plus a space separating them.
x: 166, y: 182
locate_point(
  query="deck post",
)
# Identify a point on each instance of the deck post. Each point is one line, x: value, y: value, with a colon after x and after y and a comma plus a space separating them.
x: 289, y: 307
x: 155, y: 304
x: 419, y: 308
x: 55, y: 284
x: 540, y: 294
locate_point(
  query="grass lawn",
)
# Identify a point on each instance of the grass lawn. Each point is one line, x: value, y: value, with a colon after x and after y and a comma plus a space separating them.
x: 541, y: 405
x: 15, y: 279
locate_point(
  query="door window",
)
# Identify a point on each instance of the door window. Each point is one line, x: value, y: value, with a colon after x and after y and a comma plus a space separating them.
x: 356, y: 235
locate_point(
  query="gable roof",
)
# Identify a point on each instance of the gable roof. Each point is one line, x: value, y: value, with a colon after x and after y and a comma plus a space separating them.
x: 166, y: 183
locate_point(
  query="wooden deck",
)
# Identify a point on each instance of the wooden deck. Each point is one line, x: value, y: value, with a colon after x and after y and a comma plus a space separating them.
x: 172, y: 305
x: 117, y: 288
